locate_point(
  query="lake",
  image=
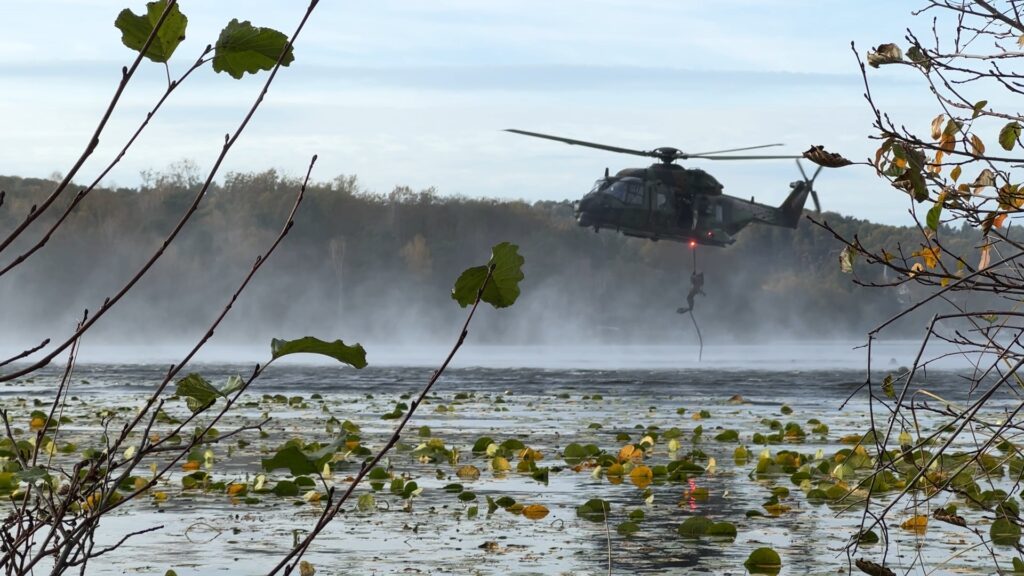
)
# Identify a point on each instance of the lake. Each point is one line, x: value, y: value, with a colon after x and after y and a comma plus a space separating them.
x: 547, y: 402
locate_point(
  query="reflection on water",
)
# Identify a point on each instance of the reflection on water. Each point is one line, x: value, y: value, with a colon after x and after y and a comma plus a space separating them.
x: 547, y: 409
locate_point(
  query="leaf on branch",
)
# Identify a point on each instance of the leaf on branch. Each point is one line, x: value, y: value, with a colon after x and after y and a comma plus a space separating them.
x: 354, y: 356
x: 1009, y: 135
x: 919, y: 57
x: 885, y: 54
x: 986, y: 257
x: 503, y: 288
x: 955, y: 174
x: 136, y: 29
x: 846, y: 258
x: 930, y: 255
x: 934, y: 216
x: 979, y: 108
x: 197, y: 392
x: 819, y: 156
x: 937, y: 126
x: 243, y: 48
x: 977, y: 146
x: 985, y: 179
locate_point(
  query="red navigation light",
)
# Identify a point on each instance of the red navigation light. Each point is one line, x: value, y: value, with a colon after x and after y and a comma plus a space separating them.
x: 693, y: 243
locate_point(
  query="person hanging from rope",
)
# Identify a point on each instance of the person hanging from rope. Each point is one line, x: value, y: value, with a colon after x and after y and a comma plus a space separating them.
x: 696, y: 287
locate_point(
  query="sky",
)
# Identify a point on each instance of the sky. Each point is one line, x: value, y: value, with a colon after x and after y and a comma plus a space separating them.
x: 416, y: 93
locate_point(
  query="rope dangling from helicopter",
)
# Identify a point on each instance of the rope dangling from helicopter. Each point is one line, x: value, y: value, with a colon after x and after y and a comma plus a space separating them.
x: 696, y: 287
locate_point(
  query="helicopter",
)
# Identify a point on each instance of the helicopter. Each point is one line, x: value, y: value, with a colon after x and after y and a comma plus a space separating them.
x: 668, y: 202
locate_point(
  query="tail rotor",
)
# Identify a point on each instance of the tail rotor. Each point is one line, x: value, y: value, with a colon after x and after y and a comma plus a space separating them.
x: 810, y: 184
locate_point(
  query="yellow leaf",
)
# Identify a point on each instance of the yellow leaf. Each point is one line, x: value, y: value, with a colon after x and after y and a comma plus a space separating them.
x: 777, y: 509
x: 630, y: 452
x: 500, y: 464
x: 930, y: 255
x: 1020, y: 40
x: 641, y: 476
x: 468, y: 472
x: 311, y: 496
x: 306, y: 569
x: 955, y: 174
x: 139, y: 483
x: 986, y: 257
x: 977, y: 145
x: 947, y: 142
x: 235, y: 488
x: 944, y: 282
x: 37, y: 422
x: 530, y: 455
x: 999, y: 219
x: 916, y: 523
x: 159, y: 496
x: 190, y: 465
x: 937, y: 124
x: 535, y: 511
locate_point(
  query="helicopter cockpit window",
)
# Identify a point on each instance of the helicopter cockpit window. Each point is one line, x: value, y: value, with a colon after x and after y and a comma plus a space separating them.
x: 629, y: 191
x: 599, y: 185
x: 661, y: 201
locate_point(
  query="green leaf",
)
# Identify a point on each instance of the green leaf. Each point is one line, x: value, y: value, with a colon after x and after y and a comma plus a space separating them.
x: 595, y: 510
x: 135, y: 30
x: 728, y: 436
x: 694, y: 527
x: 468, y: 285
x: 354, y: 356
x: 1008, y: 135
x: 197, y: 392
x: 978, y: 107
x: 763, y: 561
x: 233, y: 384
x: 286, y: 488
x: 934, y: 214
x: 503, y: 288
x: 722, y: 530
x: 292, y: 458
x: 299, y: 462
x: 243, y: 48
x: 1004, y: 532
x: 627, y: 528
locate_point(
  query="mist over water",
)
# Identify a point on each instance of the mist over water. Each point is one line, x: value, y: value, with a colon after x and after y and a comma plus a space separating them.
x: 379, y: 269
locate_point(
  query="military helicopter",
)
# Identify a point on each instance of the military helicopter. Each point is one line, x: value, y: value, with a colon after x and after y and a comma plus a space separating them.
x: 668, y: 202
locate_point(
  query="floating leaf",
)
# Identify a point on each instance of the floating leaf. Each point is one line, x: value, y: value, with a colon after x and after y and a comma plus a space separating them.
x: 243, y: 48
x: 136, y: 29
x: 594, y: 509
x: 763, y: 561
x: 1004, y: 532
x: 722, y: 530
x: 503, y: 288
x: 641, y: 476
x: 535, y: 511
x: 354, y: 356
x: 872, y: 569
x: 306, y: 569
x: 916, y: 523
x: 468, y: 472
x: 694, y: 527
x: 627, y: 528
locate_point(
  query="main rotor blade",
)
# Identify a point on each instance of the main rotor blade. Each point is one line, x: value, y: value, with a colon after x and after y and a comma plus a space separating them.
x: 737, y: 149
x: 739, y: 157
x: 584, y: 143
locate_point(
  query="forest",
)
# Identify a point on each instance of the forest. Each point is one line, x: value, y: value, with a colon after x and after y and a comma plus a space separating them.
x: 378, y: 267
